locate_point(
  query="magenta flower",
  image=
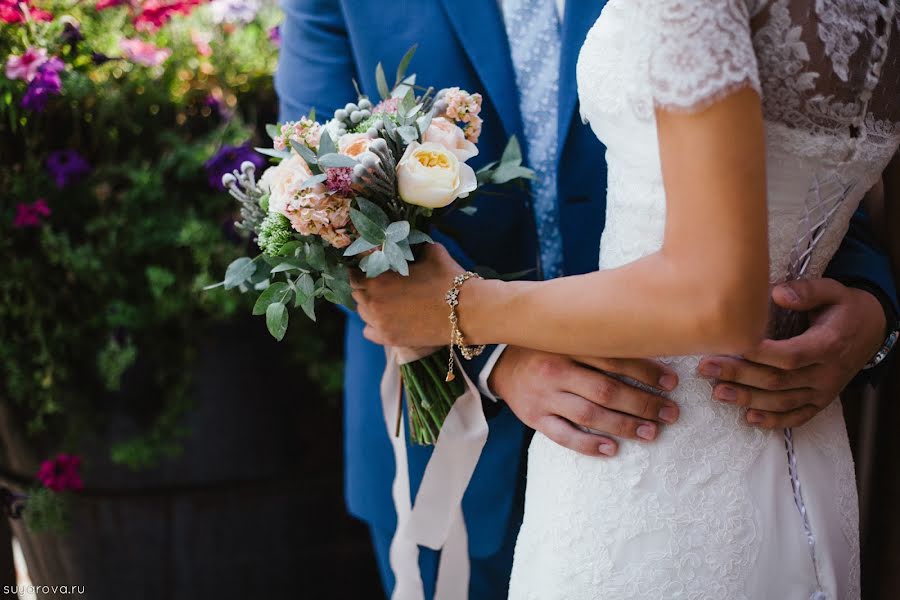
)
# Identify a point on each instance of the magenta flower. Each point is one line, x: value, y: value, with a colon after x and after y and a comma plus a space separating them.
x: 66, y: 166
x: 25, y: 67
x: 275, y: 36
x: 31, y: 215
x: 143, y: 53
x: 339, y: 179
x: 46, y: 83
x: 61, y: 473
x: 104, y: 4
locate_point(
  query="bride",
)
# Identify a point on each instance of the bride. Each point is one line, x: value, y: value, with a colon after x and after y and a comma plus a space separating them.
x: 741, y: 136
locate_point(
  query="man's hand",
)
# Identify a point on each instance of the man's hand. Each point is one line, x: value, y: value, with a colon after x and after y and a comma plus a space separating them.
x: 786, y: 383
x: 552, y: 394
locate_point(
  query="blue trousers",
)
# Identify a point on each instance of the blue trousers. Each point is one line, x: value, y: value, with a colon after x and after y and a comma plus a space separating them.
x: 489, y: 578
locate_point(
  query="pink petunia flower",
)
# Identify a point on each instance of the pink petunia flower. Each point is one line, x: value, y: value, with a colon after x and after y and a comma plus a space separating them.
x: 143, y: 53
x: 155, y: 13
x: 31, y: 215
x: 25, y: 67
x: 201, y: 42
x: 61, y: 473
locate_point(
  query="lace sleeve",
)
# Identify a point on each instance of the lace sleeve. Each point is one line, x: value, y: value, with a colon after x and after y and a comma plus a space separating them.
x: 702, y: 51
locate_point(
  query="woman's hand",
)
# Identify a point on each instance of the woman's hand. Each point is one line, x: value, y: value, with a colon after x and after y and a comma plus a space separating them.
x: 408, y: 311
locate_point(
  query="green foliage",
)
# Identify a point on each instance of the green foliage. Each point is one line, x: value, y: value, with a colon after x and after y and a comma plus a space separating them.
x: 274, y: 233
x: 45, y: 510
x: 104, y: 299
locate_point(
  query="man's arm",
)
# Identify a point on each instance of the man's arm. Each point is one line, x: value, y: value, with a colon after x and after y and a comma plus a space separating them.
x: 786, y: 383
x: 315, y: 65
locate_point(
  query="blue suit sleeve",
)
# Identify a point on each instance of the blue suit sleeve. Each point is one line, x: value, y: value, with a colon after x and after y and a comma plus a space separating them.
x: 315, y: 64
x: 860, y: 259
x: 862, y: 262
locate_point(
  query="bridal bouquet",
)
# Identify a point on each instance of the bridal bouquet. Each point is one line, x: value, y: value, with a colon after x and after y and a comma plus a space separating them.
x: 360, y: 192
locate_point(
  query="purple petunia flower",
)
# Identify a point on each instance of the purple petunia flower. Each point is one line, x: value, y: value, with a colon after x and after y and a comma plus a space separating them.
x: 46, y: 83
x: 228, y: 159
x: 275, y: 36
x: 67, y: 166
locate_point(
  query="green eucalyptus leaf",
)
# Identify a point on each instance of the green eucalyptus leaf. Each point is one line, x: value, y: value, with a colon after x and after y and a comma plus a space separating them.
x: 507, y: 172
x: 290, y: 249
x: 396, y: 259
x: 305, y: 153
x: 306, y: 285
x: 359, y: 246
x: 314, y: 180
x: 399, y: 230
x: 419, y: 237
x: 381, y: 82
x: 334, y: 161
x: 407, y: 251
x: 282, y: 154
x: 277, y: 320
x: 375, y: 264
x: 404, y: 63
x: 368, y: 229
x: 408, y: 134
x: 315, y: 256
x: 279, y: 292
x: 373, y: 211
x: 512, y: 154
x: 273, y: 130
x: 407, y: 103
x: 468, y: 210
x: 341, y: 290
x: 312, y: 114
x: 406, y: 86
x: 238, y: 272
x: 326, y: 144
x: 287, y: 266
x: 424, y: 122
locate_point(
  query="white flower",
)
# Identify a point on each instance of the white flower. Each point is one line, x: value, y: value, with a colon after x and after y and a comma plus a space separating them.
x: 283, y: 182
x: 448, y: 134
x: 429, y: 175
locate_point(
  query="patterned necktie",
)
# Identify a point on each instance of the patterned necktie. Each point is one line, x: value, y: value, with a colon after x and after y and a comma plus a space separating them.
x: 533, y: 29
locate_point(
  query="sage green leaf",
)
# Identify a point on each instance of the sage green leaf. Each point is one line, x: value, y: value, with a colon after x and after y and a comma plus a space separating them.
x: 369, y: 229
x: 407, y: 85
x: 381, y: 82
x: 512, y: 154
x: 315, y: 256
x: 273, y: 130
x: 359, y: 246
x: 306, y: 285
x: 326, y: 144
x: 375, y: 264
x: 282, y: 154
x: 287, y: 266
x: 238, y: 272
x: 290, y: 249
x: 399, y: 230
x: 334, y: 161
x: 277, y: 320
x: 314, y: 180
x: 312, y: 114
x: 424, y: 122
x: 407, y: 103
x: 305, y: 153
x: 419, y: 237
x: 341, y: 290
x: 407, y: 251
x: 408, y: 133
x: 373, y: 211
x: 507, y: 172
x: 396, y: 259
x: 404, y: 63
x: 279, y: 292
x: 468, y: 210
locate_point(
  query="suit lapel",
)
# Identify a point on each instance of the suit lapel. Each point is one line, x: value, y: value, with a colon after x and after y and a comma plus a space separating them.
x: 579, y: 17
x: 479, y: 27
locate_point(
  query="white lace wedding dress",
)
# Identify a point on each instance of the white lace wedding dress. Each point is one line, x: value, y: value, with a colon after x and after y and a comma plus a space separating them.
x: 708, y: 511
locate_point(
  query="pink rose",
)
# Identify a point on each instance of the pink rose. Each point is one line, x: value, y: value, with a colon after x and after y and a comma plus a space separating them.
x: 450, y: 136
x: 143, y: 53
x: 25, y: 67
x: 354, y: 144
x: 284, y: 182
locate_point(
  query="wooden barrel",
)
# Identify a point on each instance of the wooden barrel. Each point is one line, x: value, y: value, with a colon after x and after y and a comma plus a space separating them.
x: 253, y: 505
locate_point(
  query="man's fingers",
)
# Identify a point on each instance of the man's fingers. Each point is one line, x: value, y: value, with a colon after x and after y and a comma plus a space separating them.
x: 808, y: 294
x: 603, y: 390
x: 807, y: 349
x: 773, y: 420
x: 648, y: 372
x: 777, y: 402
x: 727, y: 369
x: 565, y: 434
x: 581, y: 412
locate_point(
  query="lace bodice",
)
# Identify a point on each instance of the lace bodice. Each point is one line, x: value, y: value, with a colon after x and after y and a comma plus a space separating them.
x: 707, y: 511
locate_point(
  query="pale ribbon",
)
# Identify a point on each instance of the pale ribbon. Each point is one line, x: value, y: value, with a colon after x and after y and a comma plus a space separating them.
x: 436, y: 521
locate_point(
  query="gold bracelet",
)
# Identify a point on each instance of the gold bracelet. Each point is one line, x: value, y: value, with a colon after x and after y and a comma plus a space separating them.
x: 456, y: 336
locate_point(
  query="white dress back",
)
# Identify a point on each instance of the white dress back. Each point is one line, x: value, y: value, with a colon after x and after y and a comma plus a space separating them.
x: 707, y: 511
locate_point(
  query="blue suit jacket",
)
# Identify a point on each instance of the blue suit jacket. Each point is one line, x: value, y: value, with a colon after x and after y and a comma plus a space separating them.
x: 326, y: 44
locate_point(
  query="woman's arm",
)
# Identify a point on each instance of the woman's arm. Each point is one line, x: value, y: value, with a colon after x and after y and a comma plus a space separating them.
x: 704, y: 291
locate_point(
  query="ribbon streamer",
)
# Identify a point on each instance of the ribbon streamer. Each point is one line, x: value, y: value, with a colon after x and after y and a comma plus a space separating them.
x: 436, y: 520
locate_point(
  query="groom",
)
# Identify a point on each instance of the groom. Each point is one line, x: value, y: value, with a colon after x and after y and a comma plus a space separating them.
x: 521, y: 55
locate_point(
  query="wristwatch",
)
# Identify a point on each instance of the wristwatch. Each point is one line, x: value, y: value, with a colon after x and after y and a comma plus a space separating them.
x: 893, y: 323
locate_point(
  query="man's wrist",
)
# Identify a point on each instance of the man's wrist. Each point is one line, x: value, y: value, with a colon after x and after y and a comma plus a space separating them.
x: 484, y: 377
x: 889, y: 331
